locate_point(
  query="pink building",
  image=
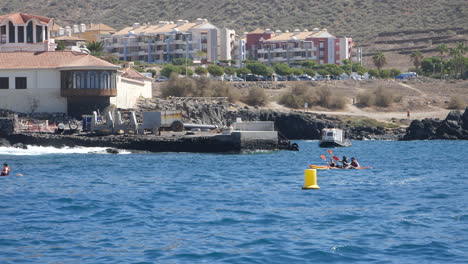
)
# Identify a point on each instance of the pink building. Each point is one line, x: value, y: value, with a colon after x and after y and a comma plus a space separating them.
x: 286, y: 47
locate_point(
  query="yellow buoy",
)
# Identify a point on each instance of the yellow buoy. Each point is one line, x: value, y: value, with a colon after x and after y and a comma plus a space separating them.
x: 310, y: 179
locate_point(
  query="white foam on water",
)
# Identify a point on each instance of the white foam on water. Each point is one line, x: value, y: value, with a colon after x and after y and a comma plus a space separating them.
x: 38, y: 150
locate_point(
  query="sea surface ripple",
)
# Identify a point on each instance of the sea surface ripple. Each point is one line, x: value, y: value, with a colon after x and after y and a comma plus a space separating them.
x: 79, y: 207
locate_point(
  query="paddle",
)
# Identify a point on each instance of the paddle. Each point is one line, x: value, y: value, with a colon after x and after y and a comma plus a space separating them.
x: 19, y: 174
x: 331, y: 153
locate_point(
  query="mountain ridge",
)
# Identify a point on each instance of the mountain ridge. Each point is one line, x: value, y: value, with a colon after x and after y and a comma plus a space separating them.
x: 360, y: 19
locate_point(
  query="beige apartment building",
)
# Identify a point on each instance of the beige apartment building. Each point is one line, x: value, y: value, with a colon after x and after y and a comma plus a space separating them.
x: 167, y: 40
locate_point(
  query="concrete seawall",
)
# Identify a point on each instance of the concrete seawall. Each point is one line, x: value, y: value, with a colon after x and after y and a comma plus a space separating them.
x: 235, y: 142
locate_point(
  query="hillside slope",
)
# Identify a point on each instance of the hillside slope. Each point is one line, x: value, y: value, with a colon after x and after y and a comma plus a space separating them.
x: 357, y: 18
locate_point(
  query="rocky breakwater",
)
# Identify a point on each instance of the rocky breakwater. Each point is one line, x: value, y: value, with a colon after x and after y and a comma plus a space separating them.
x: 293, y: 125
x: 453, y: 127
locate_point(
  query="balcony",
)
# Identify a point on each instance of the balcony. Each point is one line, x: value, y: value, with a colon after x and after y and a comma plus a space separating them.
x: 88, y: 92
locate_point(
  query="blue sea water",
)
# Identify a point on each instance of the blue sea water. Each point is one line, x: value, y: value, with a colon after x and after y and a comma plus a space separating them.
x: 77, y: 207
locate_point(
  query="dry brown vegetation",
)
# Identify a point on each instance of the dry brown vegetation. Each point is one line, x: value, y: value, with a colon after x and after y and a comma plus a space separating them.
x: 202, y: 87
x: 256, y: 97
x: 302, y: 93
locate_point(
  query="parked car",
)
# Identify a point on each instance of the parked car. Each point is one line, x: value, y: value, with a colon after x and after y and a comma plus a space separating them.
x: 162, y: 79
x: 236, y: 79
x: 293, y: 78
x: 305, y: 77
x: 254, y: 78
x: 407, y: 75
x: 281, y: 78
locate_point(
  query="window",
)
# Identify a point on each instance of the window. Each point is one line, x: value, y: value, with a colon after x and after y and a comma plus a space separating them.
x: 21, y: 82
x: 11, y: 38
x: 39, y: 34
x: 321, y: 45
x: 4, y: 83
x: 105, y: 84
x: 29, y: 32
x: 46, y: 34
x: 78, y: 80
x: 93, y: 80
x: 20, y: 34
x: 3, y: 36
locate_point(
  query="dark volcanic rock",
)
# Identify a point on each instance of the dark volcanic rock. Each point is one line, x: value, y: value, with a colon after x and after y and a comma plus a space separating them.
x: 453, y: 127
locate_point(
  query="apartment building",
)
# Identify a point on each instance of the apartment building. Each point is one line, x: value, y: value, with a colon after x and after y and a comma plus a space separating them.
x: 287, y: 47
x: 87, y: 32
x: 168, y: 40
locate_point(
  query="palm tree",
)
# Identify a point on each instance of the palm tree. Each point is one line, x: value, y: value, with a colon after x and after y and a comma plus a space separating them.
x: 442, y: 49
x: 416, y: 57
x: 379, y: 60
x: 95, y: 48
x: 458, y: 55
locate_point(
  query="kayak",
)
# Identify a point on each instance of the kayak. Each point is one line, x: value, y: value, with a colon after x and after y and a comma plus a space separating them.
x: 324, y: 167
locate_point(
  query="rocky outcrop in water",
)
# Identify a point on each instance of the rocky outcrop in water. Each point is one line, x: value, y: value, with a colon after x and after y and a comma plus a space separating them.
x: 454, y: 126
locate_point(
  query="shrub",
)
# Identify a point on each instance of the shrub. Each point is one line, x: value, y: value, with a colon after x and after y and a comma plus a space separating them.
x: 323, y: 72
x: 456, y: 103
x: 256, y: 97
x: 374, y: 73
x: 259, y: 68
x: 395, y: 72
x: 309, y: 72
x: 201, y: 70
x: 385, y: 74
x: 330, y: 100
x: 179, y: 87
x: 153, y: 72
x: 243, y: 71
x: 282, y: 69
x: 229, y: 70
x: 215, y: 70
x: 297, y: 72
x: 169, y: 69
x: 182, y: 61
x: 383, y: 98
x: 224, y: 89
x: 184, y: 70
x: 366, y: 99
x: 202, y: 87
x: 298, y: 95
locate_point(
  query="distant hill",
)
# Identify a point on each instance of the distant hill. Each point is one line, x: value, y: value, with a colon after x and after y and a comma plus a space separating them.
x: 360, y: 19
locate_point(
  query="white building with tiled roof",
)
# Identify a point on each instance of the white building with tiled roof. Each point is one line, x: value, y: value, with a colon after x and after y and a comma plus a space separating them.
x: 35, y: 79
x: 19, y: 31
x: 167, y: 40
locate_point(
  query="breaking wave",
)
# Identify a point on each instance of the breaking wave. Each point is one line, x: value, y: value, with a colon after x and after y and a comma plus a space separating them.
x: 38, y: 150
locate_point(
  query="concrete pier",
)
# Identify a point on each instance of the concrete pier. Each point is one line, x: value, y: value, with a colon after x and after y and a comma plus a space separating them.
x: 174, y: 142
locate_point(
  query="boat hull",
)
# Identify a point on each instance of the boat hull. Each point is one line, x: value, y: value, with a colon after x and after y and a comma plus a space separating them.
x: 331, y: 144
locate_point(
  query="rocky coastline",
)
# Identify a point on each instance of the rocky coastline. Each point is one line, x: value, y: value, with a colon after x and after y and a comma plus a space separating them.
x: 453, y: 127
x: 290, y: 125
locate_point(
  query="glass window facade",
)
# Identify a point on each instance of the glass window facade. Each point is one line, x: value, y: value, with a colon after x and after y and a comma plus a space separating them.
x: 97, y: 79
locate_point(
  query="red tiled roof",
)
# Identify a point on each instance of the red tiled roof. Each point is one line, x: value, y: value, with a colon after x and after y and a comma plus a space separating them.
x: 51, y: 59
x: 131, y: 73
x: 22, y: 18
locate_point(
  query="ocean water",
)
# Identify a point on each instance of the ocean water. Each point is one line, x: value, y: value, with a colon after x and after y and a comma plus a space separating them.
x: 84, y: 206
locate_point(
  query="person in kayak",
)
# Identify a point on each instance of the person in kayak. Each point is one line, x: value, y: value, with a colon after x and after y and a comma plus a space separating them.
x: 345, y: 163
x: 5, y: 171
x: 332, y: 164
x: 354, y: 163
